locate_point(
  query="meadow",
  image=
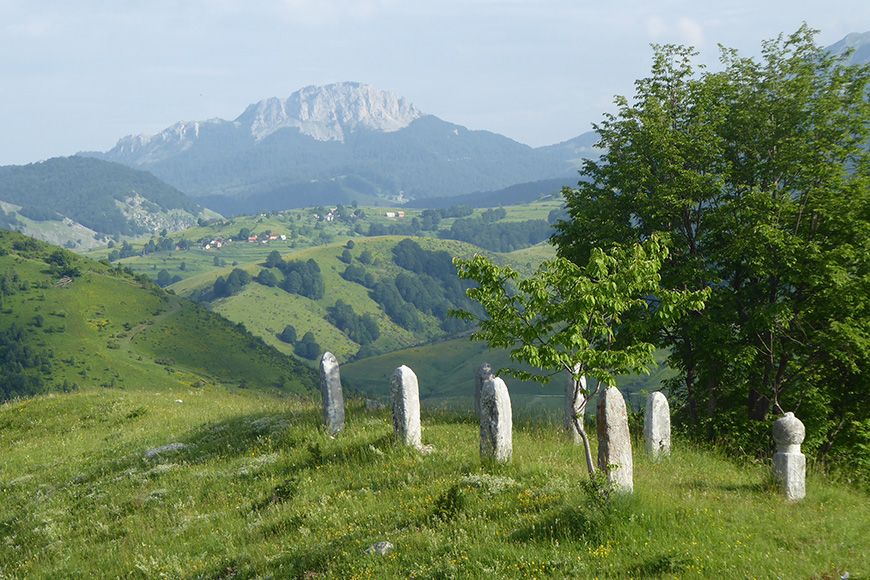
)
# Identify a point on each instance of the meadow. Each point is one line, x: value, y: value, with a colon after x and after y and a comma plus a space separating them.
x: 260, y: 490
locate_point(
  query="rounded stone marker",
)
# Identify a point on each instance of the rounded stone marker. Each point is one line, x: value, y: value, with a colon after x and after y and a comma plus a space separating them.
x: 657, y: 425
x: 496, y: 421
x: 330, y: 389
x: 405, y: 393
x: 789, y: 464
x: 614, y: 440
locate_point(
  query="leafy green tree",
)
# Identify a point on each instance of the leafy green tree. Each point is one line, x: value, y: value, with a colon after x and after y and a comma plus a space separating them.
x: 273, y: 260
x: 288, y: 335
x: 759, y: 175
x: 267, y: 278
x: 307, y: 347
x: 571, y: 319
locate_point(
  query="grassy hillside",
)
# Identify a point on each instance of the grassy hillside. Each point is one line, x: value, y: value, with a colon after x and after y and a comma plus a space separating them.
x: 302, y: 229
x: 260, y: 490
x: 266, y: 310
x: 446, y: 373
x: 105, y: 328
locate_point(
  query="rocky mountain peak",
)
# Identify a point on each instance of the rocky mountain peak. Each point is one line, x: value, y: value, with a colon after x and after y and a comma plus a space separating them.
x: 328, y: 112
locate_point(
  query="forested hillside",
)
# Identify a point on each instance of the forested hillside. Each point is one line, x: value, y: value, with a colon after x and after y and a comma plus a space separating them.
x: 106, y: 197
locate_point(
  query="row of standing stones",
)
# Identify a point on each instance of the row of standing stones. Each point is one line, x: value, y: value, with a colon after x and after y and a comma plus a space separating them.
x: 493, y: 407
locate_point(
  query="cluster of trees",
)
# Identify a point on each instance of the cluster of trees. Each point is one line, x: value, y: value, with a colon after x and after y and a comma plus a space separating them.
x: 61, y: 263
x: 164, y: 278
x: 399, y: 311
x: 360, y: 329
x: 234, y: 283
x: 162, y: 244
x: 432, y: 289
x: 759, y: 176
x: 165, y: 244
x: 499, y: 237
x: 303, y: 278
x: 125, y: 251
x: 307, y: 347
x: 11, y: 283
x: 359, y: 275
x: 21, y: 366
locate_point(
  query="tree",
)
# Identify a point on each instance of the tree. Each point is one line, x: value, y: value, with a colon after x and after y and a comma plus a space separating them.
x: 267, y: 278
x: 571, y: 319
x: 759, y: 175
x: 288, y: 335
x: 346, y: 256
x: 273, y: 260
x: 307, y: 347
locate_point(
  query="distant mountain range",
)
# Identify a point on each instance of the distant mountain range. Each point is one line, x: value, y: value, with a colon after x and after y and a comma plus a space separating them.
x: 859, y: 42
x: 337, y: 143
x: 79, y: 202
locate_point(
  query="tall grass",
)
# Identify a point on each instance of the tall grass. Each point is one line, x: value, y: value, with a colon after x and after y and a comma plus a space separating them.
x: 259, y: 489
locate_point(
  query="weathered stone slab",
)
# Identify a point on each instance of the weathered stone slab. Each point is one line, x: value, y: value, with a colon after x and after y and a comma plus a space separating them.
x: 575, y: 404
x: 789, y: 464
x: 657, y: 425
x: 614, y: 441
x: 483, y: 372
x: 496, y: 421
x: 405, y: 393
x: 333, y: 398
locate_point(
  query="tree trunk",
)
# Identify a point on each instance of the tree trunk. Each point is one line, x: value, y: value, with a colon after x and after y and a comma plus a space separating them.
x: 587, y: 449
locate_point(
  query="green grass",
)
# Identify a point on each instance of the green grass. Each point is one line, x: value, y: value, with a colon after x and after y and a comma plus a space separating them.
x: 260, y: 490
x: 108, y: 329
x: 265, y: 311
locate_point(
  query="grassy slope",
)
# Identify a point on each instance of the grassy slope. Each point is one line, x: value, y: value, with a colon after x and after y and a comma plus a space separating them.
x: 261, y: 490
x: 300, y: 226
x: 265, y: 311
x: 108, y: 329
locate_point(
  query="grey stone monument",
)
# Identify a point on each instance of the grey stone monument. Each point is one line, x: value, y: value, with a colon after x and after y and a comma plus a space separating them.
x: 575, y: 404
x: 330, y: 388
x: 405, y: 393
x: 614, y: 441
x: 789, y: 464
x: 657, y: 425
x: 483, y: 372
x: 496, y: 421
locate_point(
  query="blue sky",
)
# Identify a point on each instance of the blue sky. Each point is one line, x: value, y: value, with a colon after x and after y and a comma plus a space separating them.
x: 79, y: 74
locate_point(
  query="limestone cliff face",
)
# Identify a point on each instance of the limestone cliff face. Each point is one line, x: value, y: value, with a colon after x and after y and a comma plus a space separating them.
x: 326, y: 113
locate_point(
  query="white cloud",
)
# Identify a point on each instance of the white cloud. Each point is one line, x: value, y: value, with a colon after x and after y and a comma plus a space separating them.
x: 690, y: 31
x: 655, y: 27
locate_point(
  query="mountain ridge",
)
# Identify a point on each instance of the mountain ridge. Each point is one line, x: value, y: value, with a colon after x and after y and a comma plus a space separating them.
x: 351, y: 132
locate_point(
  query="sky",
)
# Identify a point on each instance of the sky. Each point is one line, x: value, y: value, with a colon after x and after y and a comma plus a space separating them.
x: 77, y: 75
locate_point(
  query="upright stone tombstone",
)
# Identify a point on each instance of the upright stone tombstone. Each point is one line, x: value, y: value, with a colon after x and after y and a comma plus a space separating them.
x: 657, y: 425
x: 330, y: 388
x: 614, y: 440
x: 574, y: 405
x: 405, y: 393
x: 496, y: 421
x: 483, y: 372
x: 789, y: 464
